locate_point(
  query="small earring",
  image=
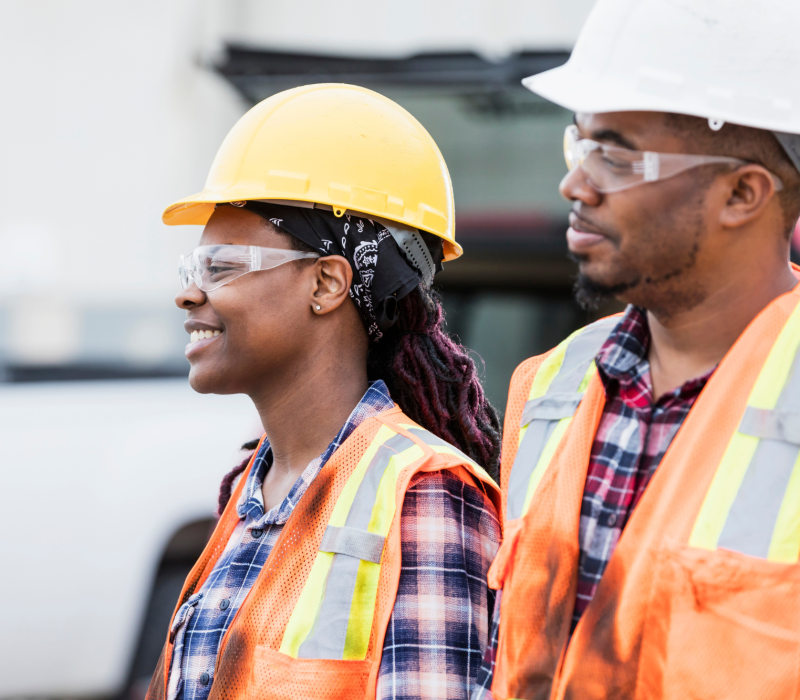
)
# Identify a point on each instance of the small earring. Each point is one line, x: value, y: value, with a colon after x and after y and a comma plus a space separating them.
x: 318, y: 307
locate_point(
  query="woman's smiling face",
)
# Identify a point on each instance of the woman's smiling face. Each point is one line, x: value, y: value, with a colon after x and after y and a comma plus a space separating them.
x: 259, y: 323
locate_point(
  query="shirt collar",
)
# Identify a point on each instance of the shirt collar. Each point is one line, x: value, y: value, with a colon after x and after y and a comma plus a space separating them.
x: 623, y: 358
x: 251, y: 504
x: 627, y: 346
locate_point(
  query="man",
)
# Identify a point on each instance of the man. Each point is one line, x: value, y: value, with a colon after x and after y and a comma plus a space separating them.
x: 649, y: 462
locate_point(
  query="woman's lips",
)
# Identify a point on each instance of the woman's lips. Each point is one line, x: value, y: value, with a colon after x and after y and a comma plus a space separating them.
x: 196, y: 346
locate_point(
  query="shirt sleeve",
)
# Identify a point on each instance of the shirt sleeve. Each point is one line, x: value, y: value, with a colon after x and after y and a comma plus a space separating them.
x: 483, y: 685
x: 439, y: 628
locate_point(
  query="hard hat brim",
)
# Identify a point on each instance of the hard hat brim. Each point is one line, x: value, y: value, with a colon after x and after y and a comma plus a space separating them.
x: 579, y: 91
x: 197, y: 209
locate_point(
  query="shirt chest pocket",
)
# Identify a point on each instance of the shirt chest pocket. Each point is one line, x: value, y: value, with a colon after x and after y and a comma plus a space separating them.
x: 721, y: 625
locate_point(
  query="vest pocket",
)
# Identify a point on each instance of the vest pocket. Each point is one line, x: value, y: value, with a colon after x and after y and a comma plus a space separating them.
x: 720, y: 625
x: 280, y: 677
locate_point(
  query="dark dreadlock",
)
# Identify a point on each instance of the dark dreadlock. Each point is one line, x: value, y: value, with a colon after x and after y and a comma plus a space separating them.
x: 434, y: 380
x: 226, y: 487
x: 430, y: 376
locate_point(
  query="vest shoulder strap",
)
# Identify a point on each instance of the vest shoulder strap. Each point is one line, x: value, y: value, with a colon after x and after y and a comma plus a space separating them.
x: 519, y: 389
x: 553, y: 395
x: 452, y: 456
x: 753, y: 501
x: 358, y: 543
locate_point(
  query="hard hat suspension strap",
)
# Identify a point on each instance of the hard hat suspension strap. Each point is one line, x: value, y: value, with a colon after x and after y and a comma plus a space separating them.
x: 415, y: 250
x: 791, y: 144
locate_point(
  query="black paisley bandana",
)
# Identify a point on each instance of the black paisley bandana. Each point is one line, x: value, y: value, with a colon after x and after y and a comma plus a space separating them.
x: 381, y: 273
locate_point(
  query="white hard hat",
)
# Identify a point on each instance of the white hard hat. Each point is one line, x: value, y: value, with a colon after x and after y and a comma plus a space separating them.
x: 732, y: 61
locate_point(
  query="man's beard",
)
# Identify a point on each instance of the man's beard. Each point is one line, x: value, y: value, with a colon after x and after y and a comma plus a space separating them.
x: 590, y: 295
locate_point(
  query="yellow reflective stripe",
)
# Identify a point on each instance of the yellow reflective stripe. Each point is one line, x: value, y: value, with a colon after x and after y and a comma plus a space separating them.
x: 590, y: 372
x: 362, y: 609
x: 386, y: 501
x: 739, y: 453
x: 450, y: 450
x: 302, y: 618
x: 775, y: 373
x: 447, y: 450
x: 455, y: 452
x: 546, y: 374
x: 345, y: 500
x: 722, y: 492
x: 544, y: 460
x: 785, y: 544
x: 550, y: 367
x: 552, y: 444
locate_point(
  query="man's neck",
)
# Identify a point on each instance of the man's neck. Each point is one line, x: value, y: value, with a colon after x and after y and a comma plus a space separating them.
x: 689, y: 343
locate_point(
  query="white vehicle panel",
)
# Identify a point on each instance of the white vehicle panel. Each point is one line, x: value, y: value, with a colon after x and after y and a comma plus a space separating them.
x: 97, y: 476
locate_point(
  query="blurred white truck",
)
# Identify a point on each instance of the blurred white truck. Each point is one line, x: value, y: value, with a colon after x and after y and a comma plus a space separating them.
x: 108, y: 489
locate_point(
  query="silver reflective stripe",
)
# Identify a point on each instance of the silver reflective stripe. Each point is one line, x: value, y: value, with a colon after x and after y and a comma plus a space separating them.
x: 528, y: 453
x: 551, y: 407
x: 327, y: 637
x: 579, y: 355
x: 771, y: 425
x: 751, y: 520
x: 353, y: 542
x: 430, y: 439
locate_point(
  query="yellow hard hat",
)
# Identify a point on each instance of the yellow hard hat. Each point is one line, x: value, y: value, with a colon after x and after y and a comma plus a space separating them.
x: 331, y: 144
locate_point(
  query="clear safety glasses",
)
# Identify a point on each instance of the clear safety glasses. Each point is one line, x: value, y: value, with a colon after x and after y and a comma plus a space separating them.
x: 612, y: 168
x: 212, y: 266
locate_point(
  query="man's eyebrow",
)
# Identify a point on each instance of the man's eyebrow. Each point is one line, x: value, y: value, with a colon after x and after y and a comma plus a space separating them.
x: 609, y: 135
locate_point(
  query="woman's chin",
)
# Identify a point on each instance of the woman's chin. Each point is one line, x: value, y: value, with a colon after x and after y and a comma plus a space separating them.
x: 204, y: 380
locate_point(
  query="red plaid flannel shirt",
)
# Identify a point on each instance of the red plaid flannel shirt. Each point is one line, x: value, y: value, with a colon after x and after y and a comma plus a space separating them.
x: 633, y: 435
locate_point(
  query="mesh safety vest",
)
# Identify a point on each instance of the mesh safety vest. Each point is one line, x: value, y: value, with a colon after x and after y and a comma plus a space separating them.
x: 701, y: 598
x: 314, y: 622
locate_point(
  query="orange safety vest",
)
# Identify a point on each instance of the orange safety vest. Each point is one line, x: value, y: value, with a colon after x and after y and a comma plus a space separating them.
x: 314, y: 622
x: 701, y: 598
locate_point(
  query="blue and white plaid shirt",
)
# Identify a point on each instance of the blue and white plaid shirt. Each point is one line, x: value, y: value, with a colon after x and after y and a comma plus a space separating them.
x: 438, y: 631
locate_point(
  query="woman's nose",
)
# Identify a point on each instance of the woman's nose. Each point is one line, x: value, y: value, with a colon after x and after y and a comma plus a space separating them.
x: 190, y: 297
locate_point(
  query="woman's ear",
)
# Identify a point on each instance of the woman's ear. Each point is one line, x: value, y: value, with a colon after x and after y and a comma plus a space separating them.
x: 333, y: 276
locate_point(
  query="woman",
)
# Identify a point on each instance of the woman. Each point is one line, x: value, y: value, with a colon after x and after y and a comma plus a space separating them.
x: 350, y: 560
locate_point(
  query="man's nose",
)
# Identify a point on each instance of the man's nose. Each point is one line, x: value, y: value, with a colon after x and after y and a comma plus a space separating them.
x: 575, y: 187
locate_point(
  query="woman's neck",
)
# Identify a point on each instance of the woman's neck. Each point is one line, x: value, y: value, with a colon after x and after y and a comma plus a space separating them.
x: 303, y: 410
